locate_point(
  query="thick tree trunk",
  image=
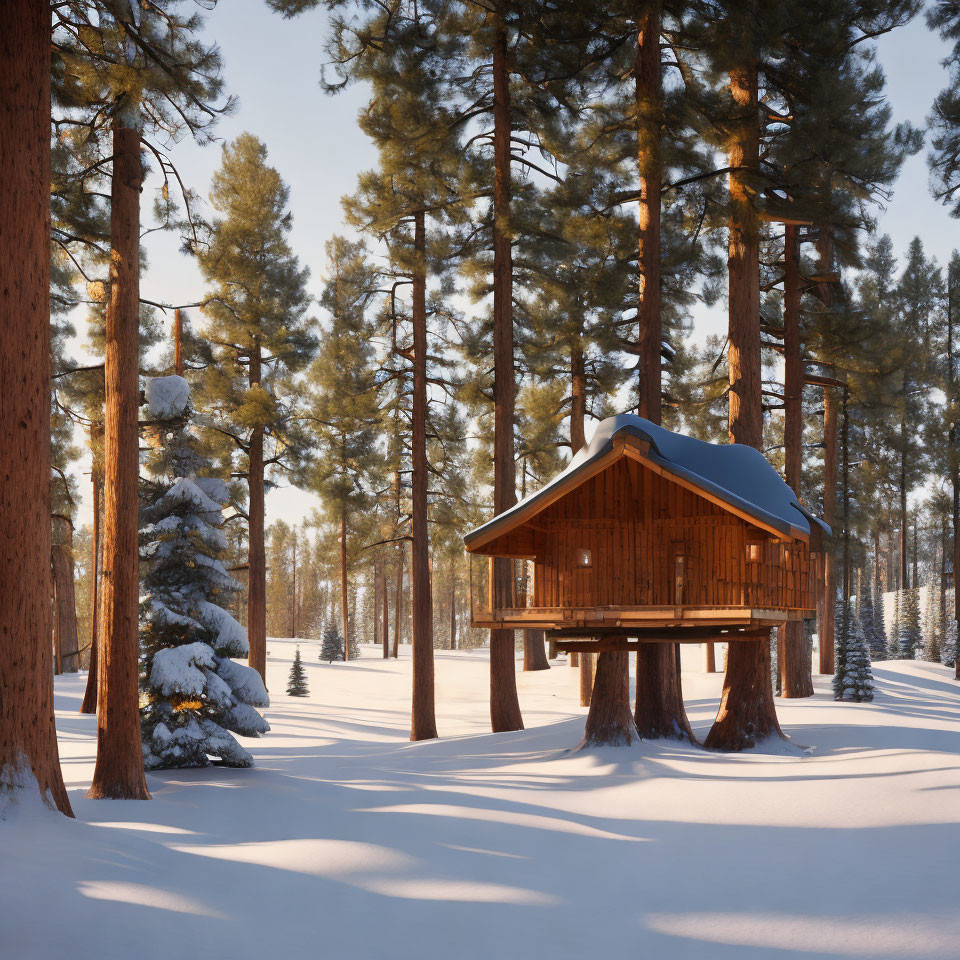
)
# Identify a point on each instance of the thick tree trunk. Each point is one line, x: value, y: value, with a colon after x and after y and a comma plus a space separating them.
x: 256, y: 551
x: 610, y: 722
x: 648, y: 88
x: 586, y: 679
x: 28, y: 738
x: 423, y: 724
x: 795, y: 676
x: 659, y: 712
x: 89, y: 703
x: 746, y: 714
x: 551, y: 649
x: 504, y: 703
x: 119, y: 768
x: 68, y: 643
x: 534, y: 651
x: 828, y: 610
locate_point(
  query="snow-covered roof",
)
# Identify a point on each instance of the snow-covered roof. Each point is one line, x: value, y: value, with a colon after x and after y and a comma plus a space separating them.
x: 735, y: 474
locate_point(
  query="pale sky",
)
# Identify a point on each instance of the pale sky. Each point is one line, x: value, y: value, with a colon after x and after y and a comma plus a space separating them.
x: 273, y: 67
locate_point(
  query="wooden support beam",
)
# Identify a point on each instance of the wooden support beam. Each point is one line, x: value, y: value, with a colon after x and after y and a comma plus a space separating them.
x: 613, y: 643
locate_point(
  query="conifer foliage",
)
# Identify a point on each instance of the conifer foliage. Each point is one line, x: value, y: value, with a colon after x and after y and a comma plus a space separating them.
x: 909, y: 634
x: 297, y: 682
x: 332, y: 647
x: 195, y: 695
x: 853, y: 676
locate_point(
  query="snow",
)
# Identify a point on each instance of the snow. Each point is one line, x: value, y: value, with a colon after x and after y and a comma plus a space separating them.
x: 167, y: 397
x: 346, y: 840
x: 180, y: 669
x: 736, y: 473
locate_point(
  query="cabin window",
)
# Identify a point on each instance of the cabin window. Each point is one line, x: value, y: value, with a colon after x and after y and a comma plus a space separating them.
x: 753, y: 552
x: 584, y: 557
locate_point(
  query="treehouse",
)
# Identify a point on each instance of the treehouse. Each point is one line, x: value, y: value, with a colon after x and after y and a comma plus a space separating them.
x: 653, y: 536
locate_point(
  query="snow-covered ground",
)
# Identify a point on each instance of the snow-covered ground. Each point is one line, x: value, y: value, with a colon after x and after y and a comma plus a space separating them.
x: 346, y: 841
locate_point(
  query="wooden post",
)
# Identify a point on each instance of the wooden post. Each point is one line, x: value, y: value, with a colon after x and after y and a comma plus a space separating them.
x: 586, y: 679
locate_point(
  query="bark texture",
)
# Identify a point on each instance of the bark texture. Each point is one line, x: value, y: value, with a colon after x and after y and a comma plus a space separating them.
x: 659, y: 712
x: 504, y: 703
x: 649, y: 104
x: 795, y: 677
x: 119, y: 768
x: 28, y: 738
x: 423, y: 724
x: 256, y: 549
x: 534, y: 651
x: 746, y: 714
x: 610, y: 721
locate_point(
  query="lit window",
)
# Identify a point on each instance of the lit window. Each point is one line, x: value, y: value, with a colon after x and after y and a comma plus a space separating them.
x: 753, y: 552
x: 584, y: 558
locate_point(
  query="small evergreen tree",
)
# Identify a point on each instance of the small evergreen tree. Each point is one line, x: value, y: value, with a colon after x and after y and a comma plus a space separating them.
x: 948, y: 651
x: 932, y: 624
x: 194, y: 696
x: 879, y: 649
x: 893, y: 639
x: 853, y: 679
x: 868, y: 618
x: 297, y: 682
x: 910, y: 635
x: 332, y: 646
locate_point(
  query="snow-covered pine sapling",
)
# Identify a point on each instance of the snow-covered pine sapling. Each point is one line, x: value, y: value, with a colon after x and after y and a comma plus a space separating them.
x: 853, y: 679
x: 908, y: 629
x: 893, y: 637
x: 297, y: 682
x: 332, y: 647
x: 194, y: 697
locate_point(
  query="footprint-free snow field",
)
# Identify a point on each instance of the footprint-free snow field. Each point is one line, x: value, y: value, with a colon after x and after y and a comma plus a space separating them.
x: 347, y: 841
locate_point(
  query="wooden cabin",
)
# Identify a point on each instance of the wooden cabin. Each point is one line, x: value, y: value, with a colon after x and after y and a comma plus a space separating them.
x: 650, y: 535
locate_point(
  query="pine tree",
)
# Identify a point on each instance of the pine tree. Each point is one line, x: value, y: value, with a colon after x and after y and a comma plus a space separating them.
x: 297, y: 683
x: 344, y: 415
x: 910, y: 636
x: 871, y: 622
x: 332, y: 646
x: 257, y: 320
x: 195, y: 695
x: 932, y: 624
x: 853, y: 677
x: 893, y: 638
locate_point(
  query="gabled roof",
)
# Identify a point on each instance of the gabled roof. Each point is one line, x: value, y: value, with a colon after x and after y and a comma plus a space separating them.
x: 735, y: 476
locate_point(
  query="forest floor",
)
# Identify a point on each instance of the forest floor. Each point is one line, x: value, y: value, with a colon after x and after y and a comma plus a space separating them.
x: 347, y: 841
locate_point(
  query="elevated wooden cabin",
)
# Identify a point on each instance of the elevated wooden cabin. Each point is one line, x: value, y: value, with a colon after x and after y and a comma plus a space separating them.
x: 651, y: 535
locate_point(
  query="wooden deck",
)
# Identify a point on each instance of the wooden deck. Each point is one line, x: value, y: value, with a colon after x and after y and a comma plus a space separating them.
x: 686, y: 621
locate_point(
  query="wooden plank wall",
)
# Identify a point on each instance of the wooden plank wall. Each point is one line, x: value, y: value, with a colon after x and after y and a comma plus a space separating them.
x: 634, y: 523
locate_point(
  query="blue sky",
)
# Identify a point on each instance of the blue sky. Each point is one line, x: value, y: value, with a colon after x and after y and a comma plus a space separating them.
x: 273, y: 67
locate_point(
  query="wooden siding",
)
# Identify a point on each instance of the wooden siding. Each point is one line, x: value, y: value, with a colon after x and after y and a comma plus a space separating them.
x: 635, y: 523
